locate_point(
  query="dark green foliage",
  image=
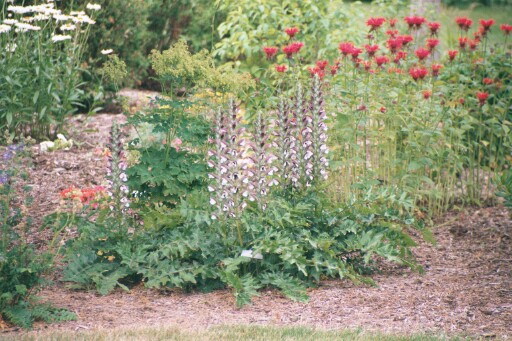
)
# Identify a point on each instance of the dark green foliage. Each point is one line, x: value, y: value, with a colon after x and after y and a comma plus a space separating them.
x: 505, y: 188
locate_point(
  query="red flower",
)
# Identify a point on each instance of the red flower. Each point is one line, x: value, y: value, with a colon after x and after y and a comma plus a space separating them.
x: 322, y: 64
x: 395, y: 70
x: 418, y: 73
x: 367, y: 64
x: 380, y: 60
x: 435, y: 69
x: 292, y: 48
x: 506, y: 29
x: 371, y: 50
x: 382, y: 110
x: 346, y: 48
x: 334, y: 69
x: 462, y: 42
x: 406, y: 39
x: 392, y: 33
x: 392, y: 22
x: 399, y: 56
x: 432, y: 43
x: 464, y: 23
x: 461, y: 101
x: 375, y: 23
x: 427, y: 94
x: 422, y: 53
x: 357, y: 62
x: 452, y: 54
x: 291, y: 31
x: 270, y: 51
x: 316, y: 71
x: 281, y: 68
x: 473, y: 44
x: 415, y: 21
x: 486, y: 24
x: 356, y: 52
x: 434, y: 27
x: 488, y: 81
x: 482, y: 97
x: 394, y: 44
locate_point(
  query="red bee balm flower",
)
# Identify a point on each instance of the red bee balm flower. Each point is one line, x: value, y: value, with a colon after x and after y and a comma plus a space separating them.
x: 399, y: 56
x: 291, y: 31
x: 334, y: 69
x: 435, y: 69
x: 392, y: 22
x: 422, y: 53
x: 482, y: 97
x: 464, y: 23
x: 487, y: 81
x: 346, y: 48
x: 394, y: 45
x: 382, y: 110
x: 427, y: 94
x: 418, y: 73
x: 415, y: 21
x: 316, y: 71
x: 486, y: 24
x: 392, y: 33
x: 473, y: 44
x: 434, y: 27
x: 432, y: 43
x: 281, y: 68
x: 375, y: 23
x: 406, y: 39
x: 371, y: 49
x: 356, y: 52
x: 292, y: 49
x: 462, y: 42
x: 380, y: 60
x: 270, y: 51
x: 452, y: 54
x: 506, y: 29
x: 322, y: 64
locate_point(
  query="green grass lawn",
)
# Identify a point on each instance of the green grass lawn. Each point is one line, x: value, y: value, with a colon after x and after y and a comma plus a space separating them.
x: 252, y: 333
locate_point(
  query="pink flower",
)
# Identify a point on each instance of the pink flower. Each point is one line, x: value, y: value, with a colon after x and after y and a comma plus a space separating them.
x: 316, y: 71
x: 415, y: 21
x: 322, y: 64
x: 422, y: 53
x: 427, y: 94
x: 176, y: 143
x: 486, y: 24
x: 506, y: 29
x: 452, y: 54
x: 381, y: 60
x: 292, y: 48
x: 371, y: 49
x: 346, y: 48
x: 418, y: 73
x: 432, y: 43
x: 482, y: 97
x: 435, y: 69
x: 434, y: 27
x: 464, y: 23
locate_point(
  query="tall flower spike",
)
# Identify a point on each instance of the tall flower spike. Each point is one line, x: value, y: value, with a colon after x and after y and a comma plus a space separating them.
x: 286, y: 144
x: 318, y: 131
x: 303, y: 135
x: 116, y: 176
x: 264, y: 170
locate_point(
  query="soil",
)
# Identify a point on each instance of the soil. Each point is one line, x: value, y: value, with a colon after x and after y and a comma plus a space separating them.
x: 466, y: 288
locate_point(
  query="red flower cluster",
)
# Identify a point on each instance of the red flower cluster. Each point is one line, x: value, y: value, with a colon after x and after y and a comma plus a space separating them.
x: 346, y: 48
x: 415, y: 22
x: 452, y: 54
x: 422, y: 53
x: 371, y: 50
x: 435, y: 69
x: 316, y: 71
x: 291, y: 31
x: 434, y: 27
x: 292, y: 48
x: 427, y: 94
x: 506, y: 29
x: 482, y: 97
x: 400, y: 55
x: 462, y: 42
x: 85, y: 195
x: 322, y: 64
x: 432, y: 43
x: 394, y: 44
x: 418, y: 73
x: 281, y: 68
x: 473, y: 44
x: 487, y: 81
x: 392, y: 22
x: 334, y: 69
x: 270, y: 51
x: 486, y: 24
x: 464, y: 23
x: 381, y: 60
x: 375, y: 23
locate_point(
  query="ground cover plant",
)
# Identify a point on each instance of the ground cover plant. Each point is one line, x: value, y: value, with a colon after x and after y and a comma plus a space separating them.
x: 332, y: 160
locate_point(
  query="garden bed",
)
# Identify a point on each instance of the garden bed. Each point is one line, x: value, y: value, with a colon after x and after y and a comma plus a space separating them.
x: 466, y: 288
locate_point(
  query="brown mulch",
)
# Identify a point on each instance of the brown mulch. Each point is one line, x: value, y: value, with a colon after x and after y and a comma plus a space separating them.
x: 466, y: 288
